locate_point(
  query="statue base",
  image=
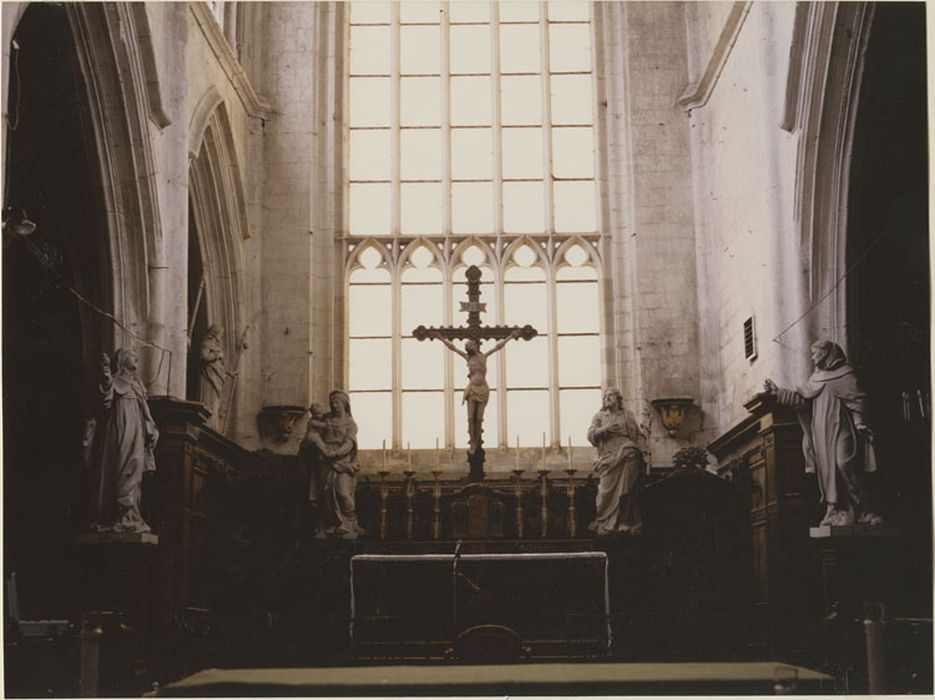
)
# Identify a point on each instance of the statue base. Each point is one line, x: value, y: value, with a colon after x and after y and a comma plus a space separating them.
x: 856, y: 565
x: 857, y: 530
x: 144, y: 538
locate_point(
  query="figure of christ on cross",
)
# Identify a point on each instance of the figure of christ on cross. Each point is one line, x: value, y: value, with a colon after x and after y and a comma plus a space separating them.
x: 477, y: 391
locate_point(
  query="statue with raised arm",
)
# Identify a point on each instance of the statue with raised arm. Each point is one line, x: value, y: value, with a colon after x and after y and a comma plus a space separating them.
x: 837, y: 442
x: 119, y: 445
x: 477, y: 392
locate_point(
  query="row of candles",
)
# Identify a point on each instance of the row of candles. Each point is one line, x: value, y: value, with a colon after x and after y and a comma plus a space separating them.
x: 409, y: 492
x: 438, y: 453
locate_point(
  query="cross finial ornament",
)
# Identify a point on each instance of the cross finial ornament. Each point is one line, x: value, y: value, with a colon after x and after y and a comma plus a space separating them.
x: 477, y: 391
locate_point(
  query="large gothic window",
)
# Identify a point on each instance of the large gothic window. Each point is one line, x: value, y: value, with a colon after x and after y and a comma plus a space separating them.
x: 471, y: 141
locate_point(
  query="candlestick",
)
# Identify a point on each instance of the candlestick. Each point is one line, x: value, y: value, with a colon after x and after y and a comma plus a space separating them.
x: 437, y: 505
x: 438, y: 459
x: 569, y: 451
x: 543, y: 450
x: 384, y: 497
x: 384, y: 454
x: 409, y: 454
x: 518, y: 493
x: 517, y: 451
x: 572, y: 525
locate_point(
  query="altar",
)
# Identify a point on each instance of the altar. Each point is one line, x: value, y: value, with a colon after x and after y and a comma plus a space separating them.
x: 498, y: 607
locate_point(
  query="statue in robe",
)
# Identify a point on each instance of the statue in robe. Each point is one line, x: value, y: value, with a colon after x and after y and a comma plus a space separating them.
x: 213, y: 371
x: 619, y: 465
x: 119, y: 444
x: 328, y: 454
x: 837, y: 442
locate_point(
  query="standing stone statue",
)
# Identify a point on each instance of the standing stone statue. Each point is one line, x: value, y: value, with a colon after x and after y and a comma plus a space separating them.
x: 477, y: 391
x: 619, y: 442
x: 328, y: 454
x: 213, y: 370
x: 837, y: 442
x: 119, y: 445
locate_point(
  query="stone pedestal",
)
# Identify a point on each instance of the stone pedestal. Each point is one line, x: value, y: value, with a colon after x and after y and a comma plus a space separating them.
x: 859, y: 567
x: 118, y: 581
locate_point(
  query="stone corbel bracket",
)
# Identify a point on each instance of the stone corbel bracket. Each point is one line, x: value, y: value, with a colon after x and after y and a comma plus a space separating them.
x: 276, y: 423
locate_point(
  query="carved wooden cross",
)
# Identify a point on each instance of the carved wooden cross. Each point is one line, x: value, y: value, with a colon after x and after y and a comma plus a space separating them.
x: 474, y: 331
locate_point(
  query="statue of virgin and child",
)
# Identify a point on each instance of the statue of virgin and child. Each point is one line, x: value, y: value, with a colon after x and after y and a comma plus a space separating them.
x: 328, y: 459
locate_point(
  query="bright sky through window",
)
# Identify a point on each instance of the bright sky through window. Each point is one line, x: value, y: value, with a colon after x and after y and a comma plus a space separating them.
x: 471, y: 141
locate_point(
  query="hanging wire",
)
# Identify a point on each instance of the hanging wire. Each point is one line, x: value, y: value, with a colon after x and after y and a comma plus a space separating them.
x: 43, y: 261
x: 833, y: 287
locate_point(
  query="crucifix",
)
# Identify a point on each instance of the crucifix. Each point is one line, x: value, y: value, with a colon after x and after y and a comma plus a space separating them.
x: 477, y: 391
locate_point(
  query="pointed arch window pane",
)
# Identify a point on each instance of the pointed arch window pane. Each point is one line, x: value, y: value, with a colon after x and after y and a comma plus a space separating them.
x: 371, y: 12
x: 370, y: 51
x: 421, y: 208
x: 522, y: 152
x: 528, y: 416
x: 575, y: 206
x: 519, y: 11
x: 519, y: 48
x: 579, y: 360
x: 369, y: 364
x: 419, y: 149
x: 420, y: 101
x: 569, y: 47
x: 472, y: 208
x: 471, y: 154
x: 369, y: 208
x: 460, y: 11
x: 577, y: 307
x: 370, y: 410
x: 419, y: 50
x: 369, y: 310
x: 525, y: 303
x: 521, y: 100
x: 470, y: 49
x: 523, y: 207
x: 420, y: 12
x: 370, y: 154
x: 423, y: 418
x: 420, y: 304
x: 573, y: 151
x: 422, y: 364
x: 370, y: 102
x: 571, y: 99
x: 470, y: 101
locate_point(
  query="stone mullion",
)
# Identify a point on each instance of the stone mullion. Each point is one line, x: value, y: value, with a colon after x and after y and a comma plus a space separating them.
x: 446, y: 247
x: 498, y: 265
x: 395, y: 204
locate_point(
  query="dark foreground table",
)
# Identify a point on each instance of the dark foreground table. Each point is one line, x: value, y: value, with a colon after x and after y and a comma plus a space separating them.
x: 509, y: 679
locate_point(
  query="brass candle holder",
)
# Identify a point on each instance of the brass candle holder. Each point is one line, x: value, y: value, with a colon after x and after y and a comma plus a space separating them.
x: 518, y: 493
x: 572, y: 525
x: 384, y: 498
x: 437, y: 505
x: 410, y: 500
x: 544, y: 501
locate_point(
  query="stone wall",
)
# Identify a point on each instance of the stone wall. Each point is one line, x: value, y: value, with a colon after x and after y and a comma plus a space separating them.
x: 748, y: 255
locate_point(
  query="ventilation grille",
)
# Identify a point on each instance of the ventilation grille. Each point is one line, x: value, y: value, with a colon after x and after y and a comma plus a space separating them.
x: 749, y: 339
